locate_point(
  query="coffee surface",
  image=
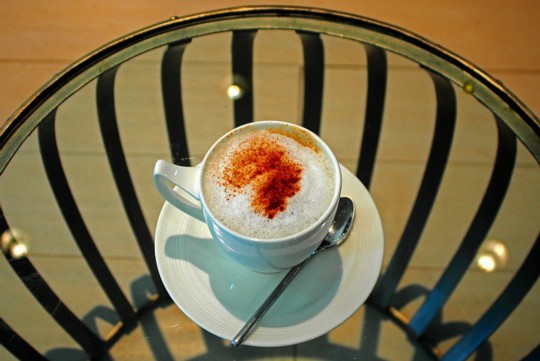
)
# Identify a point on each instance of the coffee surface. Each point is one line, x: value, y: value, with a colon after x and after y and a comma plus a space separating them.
x: 268, y: 183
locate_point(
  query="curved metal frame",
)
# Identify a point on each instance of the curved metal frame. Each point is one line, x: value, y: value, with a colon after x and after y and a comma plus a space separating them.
x: 461, y: 72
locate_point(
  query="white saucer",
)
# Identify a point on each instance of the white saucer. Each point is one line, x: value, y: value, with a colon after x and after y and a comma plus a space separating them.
x: 220, y: 295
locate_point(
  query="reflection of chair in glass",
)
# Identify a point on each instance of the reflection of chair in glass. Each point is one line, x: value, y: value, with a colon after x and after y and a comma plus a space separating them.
x: 453, y: 211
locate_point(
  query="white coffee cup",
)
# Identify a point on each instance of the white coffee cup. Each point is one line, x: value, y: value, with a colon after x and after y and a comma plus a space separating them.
x: 273, y: 251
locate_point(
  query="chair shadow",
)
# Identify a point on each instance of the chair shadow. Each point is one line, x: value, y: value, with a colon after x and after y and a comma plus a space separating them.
x: 321, y: 348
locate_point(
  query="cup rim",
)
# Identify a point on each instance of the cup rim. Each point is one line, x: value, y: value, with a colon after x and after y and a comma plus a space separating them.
x: 333, y: 203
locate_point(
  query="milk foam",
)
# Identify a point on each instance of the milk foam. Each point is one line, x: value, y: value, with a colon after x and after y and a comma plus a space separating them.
x: 302, y: 210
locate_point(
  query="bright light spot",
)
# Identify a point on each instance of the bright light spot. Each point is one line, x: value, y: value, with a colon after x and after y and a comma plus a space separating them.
x: 492, y: 256
x: 500, y: 249
x: 486, y: 263
x: 14, y: 242
x: 234, y: 91
x: 19, y: 250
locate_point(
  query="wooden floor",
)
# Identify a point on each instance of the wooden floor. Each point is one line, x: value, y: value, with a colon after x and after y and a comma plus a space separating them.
x: 38, y: 39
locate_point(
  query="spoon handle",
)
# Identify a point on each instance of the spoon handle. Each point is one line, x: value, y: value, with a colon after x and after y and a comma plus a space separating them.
x: 261, y: 311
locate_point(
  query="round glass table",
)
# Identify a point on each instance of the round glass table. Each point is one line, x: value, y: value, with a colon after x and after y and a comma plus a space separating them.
x: 440, y: 158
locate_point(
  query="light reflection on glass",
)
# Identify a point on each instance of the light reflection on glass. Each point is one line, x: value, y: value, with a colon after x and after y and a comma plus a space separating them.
x: 19, y: 250
x: 486, y: 263
x: 234, y: 91
x: 492, y: 256
x: 14, y: 243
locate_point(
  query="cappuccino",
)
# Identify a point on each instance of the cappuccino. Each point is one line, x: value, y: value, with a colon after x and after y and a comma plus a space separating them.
x: 268, y: 183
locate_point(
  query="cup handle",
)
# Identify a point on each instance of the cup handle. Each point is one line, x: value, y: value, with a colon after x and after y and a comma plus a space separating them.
x: 183, y: 177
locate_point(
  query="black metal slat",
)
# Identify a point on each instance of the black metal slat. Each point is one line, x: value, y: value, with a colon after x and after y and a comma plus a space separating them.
x: 117, y: 161
x: 484, y: 218
x: 17, y: 345
x: 534, y: 355
x: 242, y: 72
x: 313, y: 50
x: 433, y: 174
x: 519, y: 286
x: 64, y: 197
x: 377, y: 67
x: 46, y: 297
x: 171, y: 88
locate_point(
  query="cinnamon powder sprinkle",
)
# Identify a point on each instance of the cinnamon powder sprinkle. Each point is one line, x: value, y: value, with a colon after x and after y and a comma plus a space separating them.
x: 265, y: 165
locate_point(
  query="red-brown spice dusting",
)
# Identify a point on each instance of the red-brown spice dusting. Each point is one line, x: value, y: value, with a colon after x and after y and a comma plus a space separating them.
x: 265, y: 165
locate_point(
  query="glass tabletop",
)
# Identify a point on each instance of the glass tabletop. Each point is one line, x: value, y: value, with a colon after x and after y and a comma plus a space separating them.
x: 211, y: 93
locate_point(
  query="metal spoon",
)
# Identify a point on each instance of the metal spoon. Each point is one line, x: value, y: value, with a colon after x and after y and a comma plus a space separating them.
x: 337, y: 233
